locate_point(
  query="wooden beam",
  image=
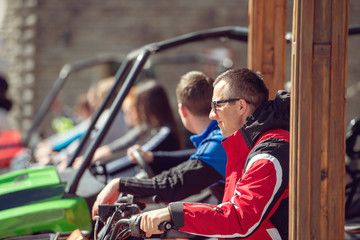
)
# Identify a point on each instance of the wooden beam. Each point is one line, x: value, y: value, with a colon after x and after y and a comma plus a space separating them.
x: 317, y: 132
x: 267, y: 45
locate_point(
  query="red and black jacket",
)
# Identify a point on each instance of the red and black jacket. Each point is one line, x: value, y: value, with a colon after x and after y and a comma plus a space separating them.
x: 255, y: 203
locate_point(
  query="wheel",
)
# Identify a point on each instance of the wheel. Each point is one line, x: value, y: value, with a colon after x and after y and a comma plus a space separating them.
x: 141, y: 162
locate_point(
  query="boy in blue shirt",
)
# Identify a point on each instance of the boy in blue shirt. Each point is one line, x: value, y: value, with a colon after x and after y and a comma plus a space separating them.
x: 204, y: 168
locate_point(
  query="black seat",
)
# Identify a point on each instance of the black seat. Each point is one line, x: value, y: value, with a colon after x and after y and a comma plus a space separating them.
x: 352, y: 203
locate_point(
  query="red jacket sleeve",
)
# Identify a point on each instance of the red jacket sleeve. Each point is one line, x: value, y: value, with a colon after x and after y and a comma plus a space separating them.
x: 255, y: 195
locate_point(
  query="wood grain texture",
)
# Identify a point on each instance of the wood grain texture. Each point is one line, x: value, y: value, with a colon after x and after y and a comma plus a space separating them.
x: 266, y: 45
x: 317, y: 151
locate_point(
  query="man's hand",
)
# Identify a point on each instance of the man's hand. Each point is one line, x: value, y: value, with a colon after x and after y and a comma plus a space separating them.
x: 102, y: 152
x: 107, y: 196
x: 63, y: 164
x: 147, y: 156
x: 44, y: 153
x: 151, y: 220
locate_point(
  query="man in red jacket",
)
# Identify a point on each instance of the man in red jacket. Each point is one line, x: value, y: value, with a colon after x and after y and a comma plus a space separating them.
x: 255, y: 203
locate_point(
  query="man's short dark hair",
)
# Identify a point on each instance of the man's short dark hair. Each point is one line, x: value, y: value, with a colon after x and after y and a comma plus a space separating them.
x: 194, y: 91
x: 247, y: 84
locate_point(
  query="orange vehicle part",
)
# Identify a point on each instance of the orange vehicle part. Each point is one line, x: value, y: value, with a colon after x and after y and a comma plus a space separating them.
x: 10, y: 146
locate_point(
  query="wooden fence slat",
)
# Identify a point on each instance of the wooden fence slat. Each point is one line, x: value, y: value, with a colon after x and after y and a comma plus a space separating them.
x: 266, y: 44
x: 317, y: 132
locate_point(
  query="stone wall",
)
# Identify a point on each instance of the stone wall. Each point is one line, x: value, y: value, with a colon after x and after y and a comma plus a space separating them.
x: 40, y: 36
x: 19, y: 34
x: 43, y: 35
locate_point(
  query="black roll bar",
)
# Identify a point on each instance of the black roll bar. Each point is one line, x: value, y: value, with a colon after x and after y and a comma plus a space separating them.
x: 109, y: 95
x: 115, y: 107
x: 140, y: 56
x: 64, y: 74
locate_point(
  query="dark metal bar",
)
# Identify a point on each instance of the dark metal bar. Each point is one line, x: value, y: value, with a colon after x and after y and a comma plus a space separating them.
x: 141, y: 55
x: 115, y: 107
x: 354, y: 30
x: 119, y: 76
x: 59, y: 82
x: 236, y: 33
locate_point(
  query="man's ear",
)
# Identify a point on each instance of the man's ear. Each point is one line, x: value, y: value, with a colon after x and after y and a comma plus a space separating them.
x: 242, y: 103
x: 183, y: 110
x: 244, y: 106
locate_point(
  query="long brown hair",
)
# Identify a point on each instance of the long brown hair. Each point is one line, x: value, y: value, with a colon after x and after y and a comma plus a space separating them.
x: 154, y: 108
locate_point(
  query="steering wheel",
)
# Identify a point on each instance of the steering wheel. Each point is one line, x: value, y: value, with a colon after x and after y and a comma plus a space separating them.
x: 142, y: 163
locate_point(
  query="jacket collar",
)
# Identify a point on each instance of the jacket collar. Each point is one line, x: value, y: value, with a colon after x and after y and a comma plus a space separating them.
x: 271, y: 115
x: 196, y: 139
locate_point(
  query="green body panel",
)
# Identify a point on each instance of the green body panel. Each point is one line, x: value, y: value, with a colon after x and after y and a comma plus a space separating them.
x: 28, y: 178
x: 64, y: 215
x: 32, y: 201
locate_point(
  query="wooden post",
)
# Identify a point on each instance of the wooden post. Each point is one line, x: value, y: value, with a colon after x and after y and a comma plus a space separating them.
x: 317, y: 133
x: 266, y: 43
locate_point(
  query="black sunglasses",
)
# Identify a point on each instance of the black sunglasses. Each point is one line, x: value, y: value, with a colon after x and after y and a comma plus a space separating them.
x: 215, y: 103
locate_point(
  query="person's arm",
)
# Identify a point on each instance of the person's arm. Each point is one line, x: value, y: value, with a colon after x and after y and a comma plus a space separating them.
x: 156, y: 140
x: 206, y: 167
x: 160, y: 160
x: 62, y: 140
x: 177, y: 183
x: 257, y: 196
x: 169, y: 159
x: 132, y: 136
x: 107, y: 196
x: 150, y: 221
x: 125, y: 141
x: 185, y: 180
x: 239, y: 218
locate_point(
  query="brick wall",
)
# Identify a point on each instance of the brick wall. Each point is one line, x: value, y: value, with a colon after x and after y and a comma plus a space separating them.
x: 43, y: 35
x: 52, y: 33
